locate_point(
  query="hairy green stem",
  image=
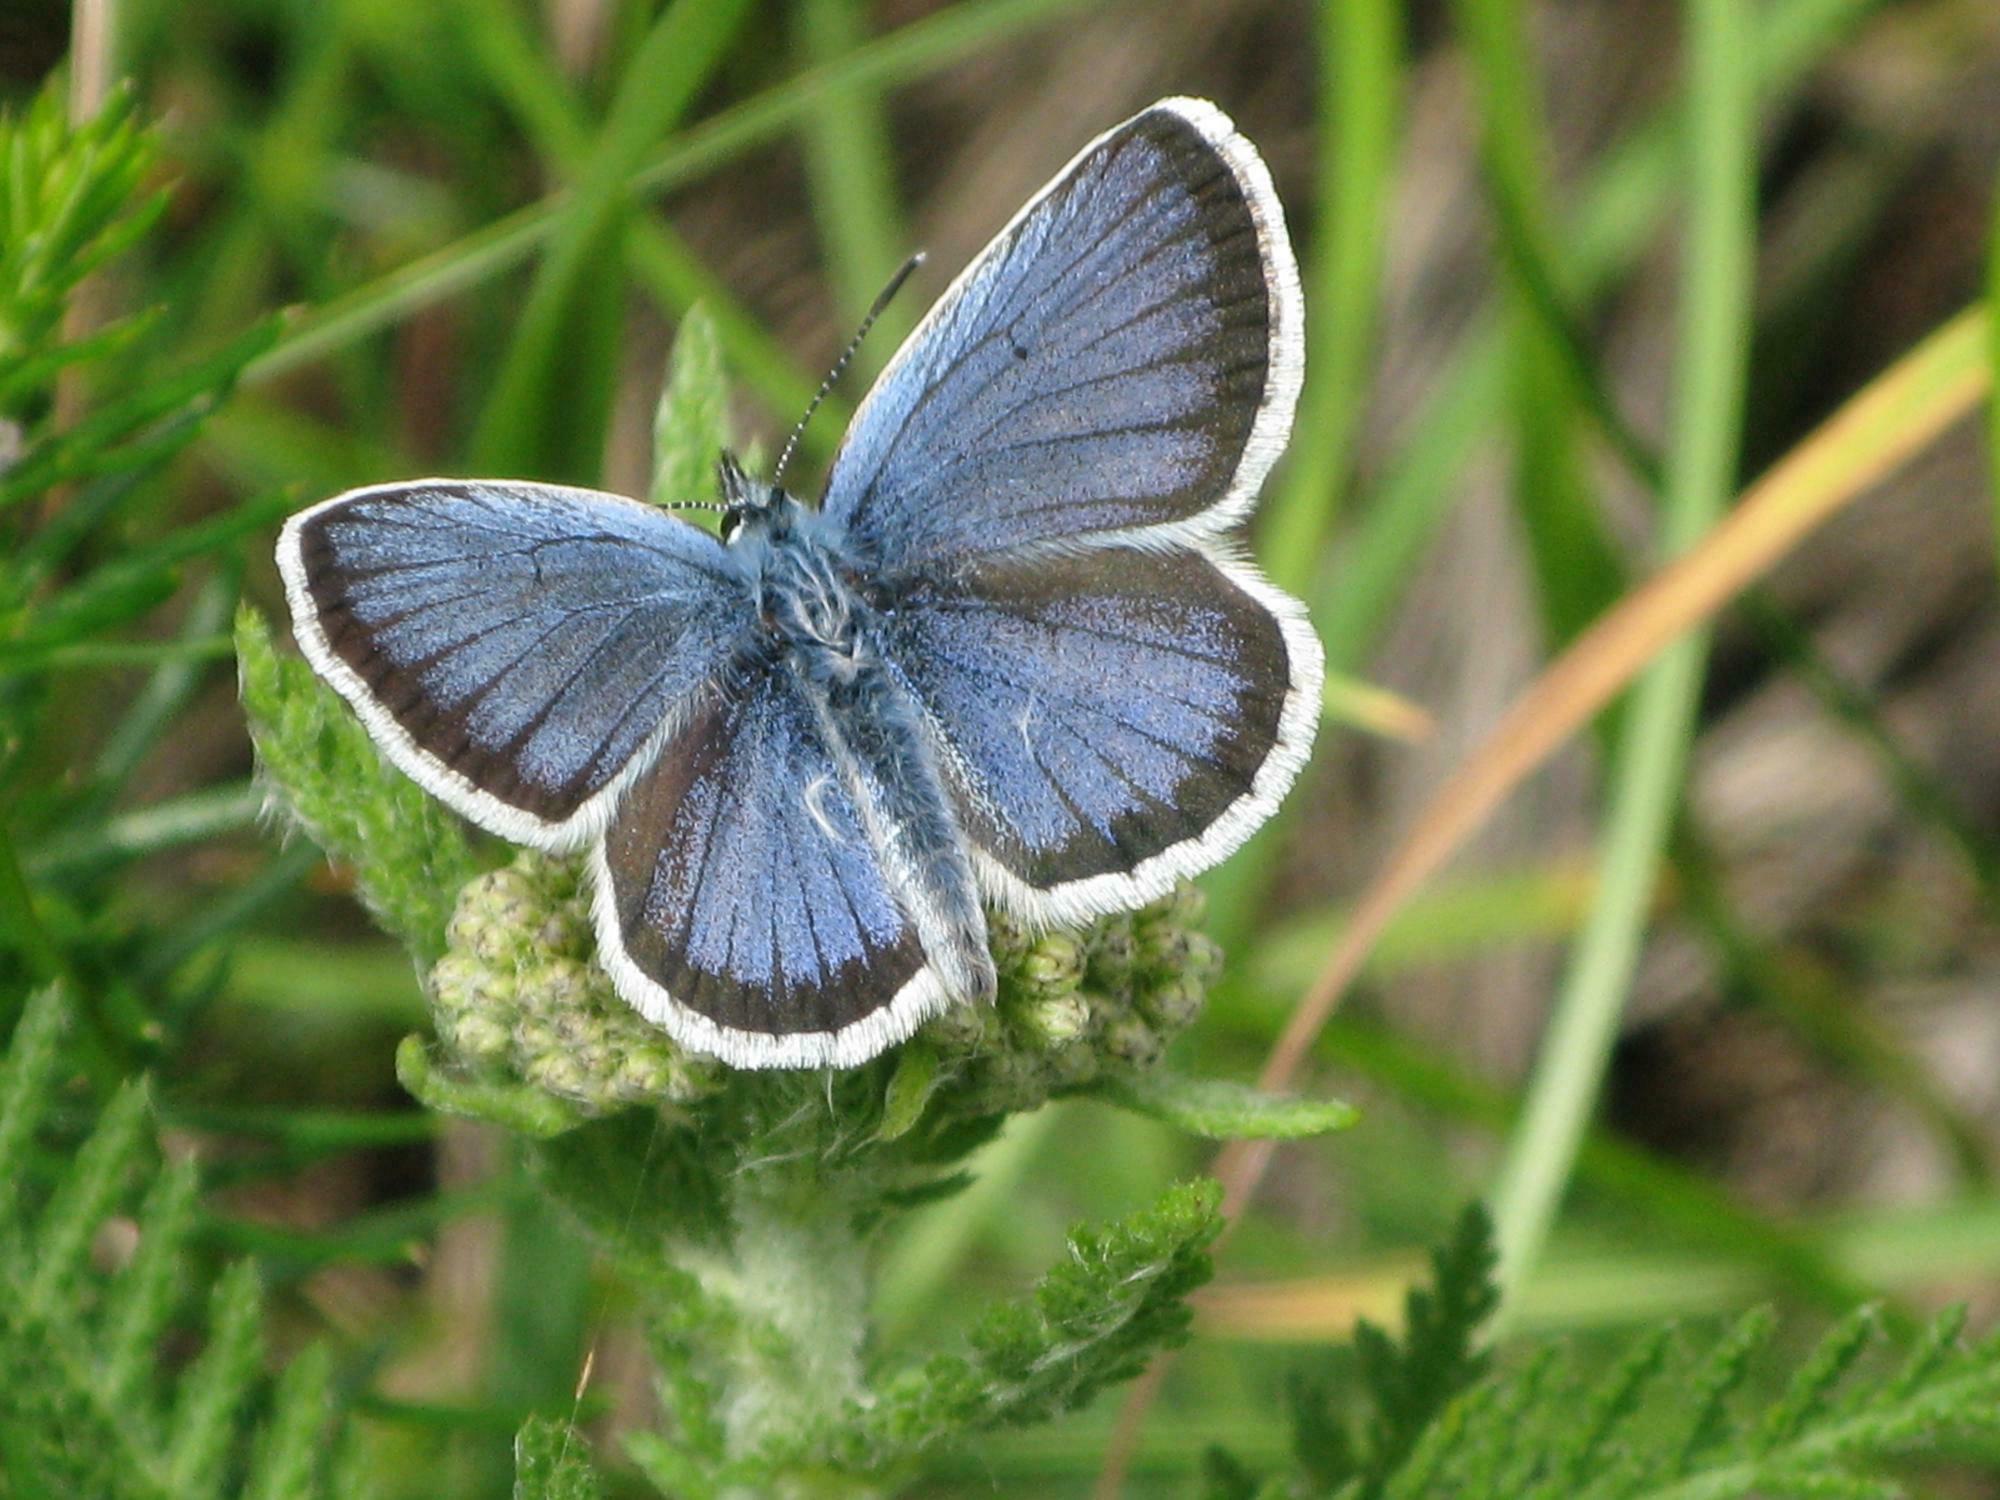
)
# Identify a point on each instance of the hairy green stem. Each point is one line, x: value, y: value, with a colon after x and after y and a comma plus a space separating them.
x: 801, y: 1283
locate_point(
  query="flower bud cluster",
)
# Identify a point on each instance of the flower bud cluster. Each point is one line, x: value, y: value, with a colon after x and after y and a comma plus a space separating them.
x: 518, y: 992
x: 1075, y: 1005
x: 519, y: 995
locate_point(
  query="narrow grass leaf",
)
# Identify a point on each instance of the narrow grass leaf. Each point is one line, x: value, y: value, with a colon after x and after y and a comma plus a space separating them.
x: 547, y: 413
x: 1576, y: 570
x: 1375, y: 710
x: 1895, y: 416
x: 1645, y: 776
x: 914, y: 51
x: 850, y: 170
x: 1361, y: 98
x: 1616, y: 220
x: 1993, y: 357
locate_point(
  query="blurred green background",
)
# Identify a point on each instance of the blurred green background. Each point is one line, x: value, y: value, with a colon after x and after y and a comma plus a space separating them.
x: 1508, y: 419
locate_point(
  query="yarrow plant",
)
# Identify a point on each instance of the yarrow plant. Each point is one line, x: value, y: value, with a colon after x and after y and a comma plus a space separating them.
x: 745, y: 1204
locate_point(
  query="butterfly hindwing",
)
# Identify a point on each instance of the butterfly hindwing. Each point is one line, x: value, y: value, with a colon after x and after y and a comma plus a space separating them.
x: 1125, y: 354
x: 516, y: 648
x: 1110, y: 721
x: 740, y: 903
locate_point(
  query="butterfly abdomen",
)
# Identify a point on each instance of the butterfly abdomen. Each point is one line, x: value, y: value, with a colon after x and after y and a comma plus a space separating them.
x: 819, y: 623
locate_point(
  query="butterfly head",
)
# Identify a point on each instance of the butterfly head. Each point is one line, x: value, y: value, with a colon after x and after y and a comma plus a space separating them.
x: 746, y: 499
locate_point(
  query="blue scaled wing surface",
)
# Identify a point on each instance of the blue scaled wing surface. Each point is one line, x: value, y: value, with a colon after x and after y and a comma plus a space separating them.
x: 740, y: 901
x: 520, y: 650
x: 1044, y: 481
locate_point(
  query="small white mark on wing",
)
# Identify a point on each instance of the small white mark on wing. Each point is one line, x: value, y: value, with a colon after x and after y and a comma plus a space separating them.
x: 814, y: 798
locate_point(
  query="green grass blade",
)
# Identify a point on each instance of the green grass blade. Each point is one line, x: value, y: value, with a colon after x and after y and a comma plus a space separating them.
x: 659, y: 260
x: 24, y: 931
x: 849, y: 167
x: 1373, y: 564
x: 914, y: 51
x: 668, y: 271
x: 1581, y: 574
x: 691, y: 422
x: 203, y: 639
x: 1646, y: 773
x: 549, y: 407
x: 1361, y: 100
x: 1993, y: 354
x: 188, y: 819
x: 1576, y: 570
x: 1614, y: 223
x: 1667, y: 1198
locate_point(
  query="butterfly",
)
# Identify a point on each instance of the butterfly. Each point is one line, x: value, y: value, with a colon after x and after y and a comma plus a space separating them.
x: 1011, y: 659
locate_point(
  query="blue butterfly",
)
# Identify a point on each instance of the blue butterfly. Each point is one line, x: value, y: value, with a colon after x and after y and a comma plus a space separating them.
x: 1012, y: 658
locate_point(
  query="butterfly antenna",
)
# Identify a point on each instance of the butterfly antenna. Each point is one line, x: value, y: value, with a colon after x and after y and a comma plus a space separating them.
x: 875, y: 310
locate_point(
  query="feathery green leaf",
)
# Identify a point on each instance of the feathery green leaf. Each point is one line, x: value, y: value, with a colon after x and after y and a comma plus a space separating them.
x: 1219, y: 1110
x: 410, y: 854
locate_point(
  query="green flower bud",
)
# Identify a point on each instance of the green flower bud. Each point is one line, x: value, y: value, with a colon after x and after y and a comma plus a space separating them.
x: 1111, y: 953
x: 1007, y: 1082
x: 1183, y: 906
x: 1103, y: 1008
x: 1131, y: 1041
x: 1007, y: 938
x: 558, y: 934
x: 534, y: 1036
x: 690, y: 1078
x: 1161, y: 949
x: 493, y: 915
x: 1203, y: 958
x: 649, y: 1073
x: 557, y: 987
x: 460, y: 981
x: 1052, y: 1022
x: 964, y: 1028
x: 560, y: 1073
x: 1054, y: 966
x: 472, y: 1007
x: 477, y: 1038
x: 1173, y: 1004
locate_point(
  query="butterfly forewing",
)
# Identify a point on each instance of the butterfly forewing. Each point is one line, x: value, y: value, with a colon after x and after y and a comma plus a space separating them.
x: 740, y: 902
x: 1125, y: 354
x: 514, y: 647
